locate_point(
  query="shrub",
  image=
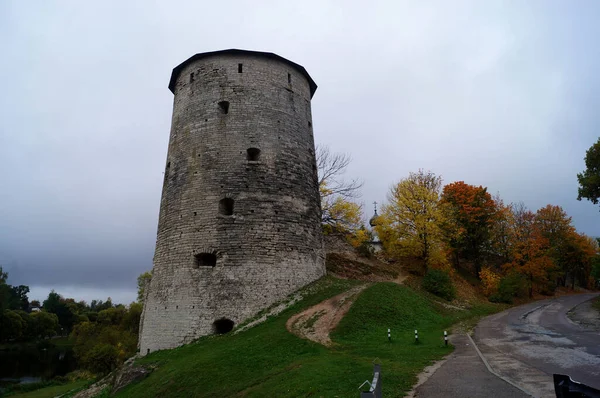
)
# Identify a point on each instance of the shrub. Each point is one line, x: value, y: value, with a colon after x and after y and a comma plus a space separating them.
x: 439, y: 283
x: 511, y: 286
x: 102, y: 358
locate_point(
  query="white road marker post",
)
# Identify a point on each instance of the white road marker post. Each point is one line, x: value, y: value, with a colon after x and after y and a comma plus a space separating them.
x: 416, y: 336
x: 445, y: 338
x: 389, y: 335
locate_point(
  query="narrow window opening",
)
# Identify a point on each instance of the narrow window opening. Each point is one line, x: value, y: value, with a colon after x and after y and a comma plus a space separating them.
x: 240, y: 68
x: 191, y: 77
x: 309, y: 123
x: 253, y: 154
x: 205, y: 259
x: 148, y: 351
x: 289, y: 78
x: 222, y: 326
x: 226, y: 206
x: 224, y: 106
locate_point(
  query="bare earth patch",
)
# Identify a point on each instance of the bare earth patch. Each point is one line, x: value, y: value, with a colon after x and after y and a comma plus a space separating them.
x: 316, y: 322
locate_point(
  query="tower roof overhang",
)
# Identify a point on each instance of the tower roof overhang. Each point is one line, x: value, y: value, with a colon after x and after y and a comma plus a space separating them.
x: 233, y: 51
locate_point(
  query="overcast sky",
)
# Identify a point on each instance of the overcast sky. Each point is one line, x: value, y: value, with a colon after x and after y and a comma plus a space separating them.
x: 499, y: 94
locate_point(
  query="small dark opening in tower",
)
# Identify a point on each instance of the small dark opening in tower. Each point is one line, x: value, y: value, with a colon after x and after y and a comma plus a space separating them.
x: 226, y: 206
x: 289, y: 78
x: 240, y: 68
x: 309, y: 123
x: 205, y: 259
x: 224, y: 106
x: 253, y: 154
x: 191, y: 77
x: 222, y: 326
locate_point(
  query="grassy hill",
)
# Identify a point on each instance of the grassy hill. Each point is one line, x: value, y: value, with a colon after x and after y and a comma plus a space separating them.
x: 267, y: 360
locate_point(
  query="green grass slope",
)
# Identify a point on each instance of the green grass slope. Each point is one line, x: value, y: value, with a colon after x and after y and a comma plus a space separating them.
x: 267, y: 360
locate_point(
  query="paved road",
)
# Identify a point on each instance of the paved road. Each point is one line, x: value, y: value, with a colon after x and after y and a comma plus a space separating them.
x: 529, y: 343
x: 463, y: 375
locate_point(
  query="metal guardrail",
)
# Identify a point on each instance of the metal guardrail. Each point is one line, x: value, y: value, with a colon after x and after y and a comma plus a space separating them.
x: 565, y: 387
x: 375, y: 384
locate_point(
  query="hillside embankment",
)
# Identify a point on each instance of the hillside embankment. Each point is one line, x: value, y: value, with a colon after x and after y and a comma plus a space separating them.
x: 339, y: 326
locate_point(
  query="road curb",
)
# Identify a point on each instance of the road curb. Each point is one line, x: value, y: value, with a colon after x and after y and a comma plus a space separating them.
x: 526, y: 314
x: 489, y: 368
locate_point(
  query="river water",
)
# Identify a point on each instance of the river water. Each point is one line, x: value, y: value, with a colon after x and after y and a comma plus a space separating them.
x: 30, y: 363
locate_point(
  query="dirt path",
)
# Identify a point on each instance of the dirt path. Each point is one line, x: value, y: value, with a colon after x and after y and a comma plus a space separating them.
x: 316, y: 322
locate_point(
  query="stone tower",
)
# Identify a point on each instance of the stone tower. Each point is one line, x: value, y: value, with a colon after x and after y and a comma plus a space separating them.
x: 239, y: 225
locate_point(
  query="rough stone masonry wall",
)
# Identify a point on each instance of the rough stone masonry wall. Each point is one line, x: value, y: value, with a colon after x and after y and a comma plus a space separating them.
x: 272, y: 244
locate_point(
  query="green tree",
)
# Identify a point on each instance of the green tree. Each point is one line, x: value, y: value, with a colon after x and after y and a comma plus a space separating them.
x: 5, y: 292
x: 13, y: 326
x: 56, y: 304
x: 3, y: 276
x: 589, y: 179
x: 45, y: 324
x: 19, y: 299
x: 143, y: 281
x: 131, y: 318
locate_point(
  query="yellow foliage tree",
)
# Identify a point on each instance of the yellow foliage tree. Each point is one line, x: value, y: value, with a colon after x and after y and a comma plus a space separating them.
x: 339, y: 214
x: 490, y: 281
x: 411, y: 223
x: 360, y: 237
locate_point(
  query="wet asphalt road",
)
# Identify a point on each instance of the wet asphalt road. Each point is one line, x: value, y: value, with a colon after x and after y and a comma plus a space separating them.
x: 529, y: 343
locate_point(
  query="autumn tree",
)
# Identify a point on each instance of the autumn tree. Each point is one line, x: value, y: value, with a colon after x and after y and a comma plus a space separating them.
x: 339, y: 212
x: 501, y: 230
x: 589, y: 179
x: 471, y: 211
x: 529, y: 256
x: 410, y: 224
x: 576, y: 258
x: 555, y: 225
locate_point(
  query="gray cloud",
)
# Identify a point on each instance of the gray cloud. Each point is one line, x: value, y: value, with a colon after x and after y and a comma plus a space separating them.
x: 501, y: 94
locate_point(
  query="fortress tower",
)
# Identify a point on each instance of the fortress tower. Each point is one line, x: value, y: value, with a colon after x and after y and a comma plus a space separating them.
x: 239, y: 225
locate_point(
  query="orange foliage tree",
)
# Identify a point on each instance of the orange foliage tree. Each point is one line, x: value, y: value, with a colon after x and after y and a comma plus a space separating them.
x: 555, y: 225
x: 471, y: 213
x: 577, y: 254
x: 530, y: 250
x: 502, y: 231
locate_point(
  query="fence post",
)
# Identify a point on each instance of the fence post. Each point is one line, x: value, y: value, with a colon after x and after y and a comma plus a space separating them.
x: 389, y: 336
x: 416, y: 336
x: 445, y: 338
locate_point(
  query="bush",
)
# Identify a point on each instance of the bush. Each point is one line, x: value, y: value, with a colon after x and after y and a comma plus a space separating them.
x: 511, y: 286
x: 439, y: 283
x: 102, y: 358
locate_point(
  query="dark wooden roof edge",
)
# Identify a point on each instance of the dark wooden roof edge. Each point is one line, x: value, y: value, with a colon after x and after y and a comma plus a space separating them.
x: 233, y: 51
